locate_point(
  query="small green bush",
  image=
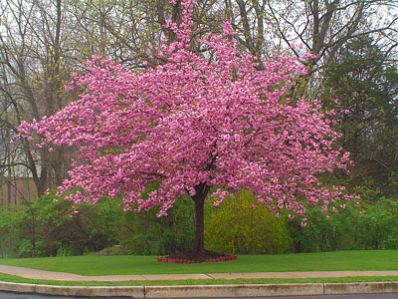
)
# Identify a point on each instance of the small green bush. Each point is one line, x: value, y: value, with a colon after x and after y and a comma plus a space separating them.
x: 10, y: 234
x: 145, y: 234
x: 244, y: 226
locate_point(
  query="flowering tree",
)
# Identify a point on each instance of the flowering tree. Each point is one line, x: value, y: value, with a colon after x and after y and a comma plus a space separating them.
x: 198, y: 125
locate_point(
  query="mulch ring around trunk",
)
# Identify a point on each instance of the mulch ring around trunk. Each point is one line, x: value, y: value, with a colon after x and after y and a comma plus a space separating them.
x: 190, y: 257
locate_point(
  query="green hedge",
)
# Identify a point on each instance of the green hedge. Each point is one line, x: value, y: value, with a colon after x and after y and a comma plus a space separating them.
x: 50, y: 227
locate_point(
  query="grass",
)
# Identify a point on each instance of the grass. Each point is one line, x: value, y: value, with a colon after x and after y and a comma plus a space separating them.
x: 17, y: 279
x: 120, y: 265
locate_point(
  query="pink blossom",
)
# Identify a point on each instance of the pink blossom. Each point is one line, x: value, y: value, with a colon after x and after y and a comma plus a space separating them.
x: 192, y: 122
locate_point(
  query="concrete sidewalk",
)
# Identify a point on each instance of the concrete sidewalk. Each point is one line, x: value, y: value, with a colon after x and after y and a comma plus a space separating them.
x: 61, y: 276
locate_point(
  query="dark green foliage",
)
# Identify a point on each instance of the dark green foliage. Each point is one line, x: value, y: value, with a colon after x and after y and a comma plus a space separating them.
x: 145, y: 234
x: 366, y: 83
x: 66, y: 229
x: 362, y: 225
x: 323, y: 233
x: 377, y: 226
x: 51, y: 226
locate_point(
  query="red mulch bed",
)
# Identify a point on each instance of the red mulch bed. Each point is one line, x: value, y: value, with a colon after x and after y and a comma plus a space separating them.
x: 190, y: 258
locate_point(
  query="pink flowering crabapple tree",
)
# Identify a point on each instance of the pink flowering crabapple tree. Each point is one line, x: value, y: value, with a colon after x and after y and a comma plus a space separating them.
x: 198, y: 125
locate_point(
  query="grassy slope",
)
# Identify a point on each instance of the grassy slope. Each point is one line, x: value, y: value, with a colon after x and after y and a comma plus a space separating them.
x: 108, y: 265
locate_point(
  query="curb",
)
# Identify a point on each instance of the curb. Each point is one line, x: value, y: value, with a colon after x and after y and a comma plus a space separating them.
x: 133, y: 291
x: 201, y: 291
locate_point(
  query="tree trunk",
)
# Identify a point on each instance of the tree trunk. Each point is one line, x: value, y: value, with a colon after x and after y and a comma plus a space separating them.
x: 199, y: 245
x: 199, y: 199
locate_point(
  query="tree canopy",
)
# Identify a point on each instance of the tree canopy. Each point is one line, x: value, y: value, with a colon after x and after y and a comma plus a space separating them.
x: 196, y: 124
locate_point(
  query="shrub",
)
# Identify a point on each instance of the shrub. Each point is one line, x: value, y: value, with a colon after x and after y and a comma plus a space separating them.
x: 323, y: 233
x: 377, y: 226
x: 370, y: 225
x: 241, y: 226
x: 10, y: 234
x: 51, y: 226
x: 145, y: 234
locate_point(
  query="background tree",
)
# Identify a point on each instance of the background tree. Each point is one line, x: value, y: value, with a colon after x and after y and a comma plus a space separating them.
x: 312, y: 26
x: 365, y: 82
x: 33, y: 76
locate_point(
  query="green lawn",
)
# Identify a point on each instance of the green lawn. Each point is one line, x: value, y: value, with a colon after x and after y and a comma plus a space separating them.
x: 16, y: 279
x: 108, y: 265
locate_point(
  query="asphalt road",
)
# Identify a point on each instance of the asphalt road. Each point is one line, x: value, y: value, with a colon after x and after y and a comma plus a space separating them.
x: 5, y: 295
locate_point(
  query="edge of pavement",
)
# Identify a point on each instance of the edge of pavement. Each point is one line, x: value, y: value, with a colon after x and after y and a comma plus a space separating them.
x: 205, y: 291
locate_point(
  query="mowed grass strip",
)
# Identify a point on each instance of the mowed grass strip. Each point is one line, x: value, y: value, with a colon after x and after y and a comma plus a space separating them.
x: 17, y: 279
x: 123, y: 265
